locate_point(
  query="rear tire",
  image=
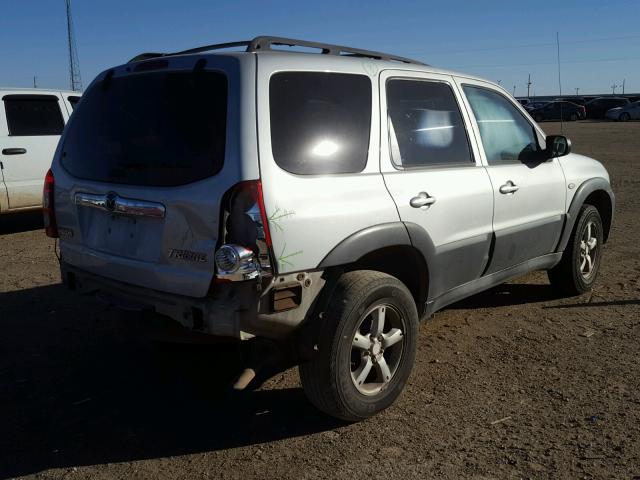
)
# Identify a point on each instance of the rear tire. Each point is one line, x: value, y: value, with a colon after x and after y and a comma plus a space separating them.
x: 624, y: 117
x: 577, y: 271
x: 366, y: 348
x: 573, y: 117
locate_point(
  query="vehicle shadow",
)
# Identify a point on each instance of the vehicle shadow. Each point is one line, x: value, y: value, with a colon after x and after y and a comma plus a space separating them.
x: 84, y: 385
x: 610, y: 303
x: 20, y: 222
x: 509, y: 294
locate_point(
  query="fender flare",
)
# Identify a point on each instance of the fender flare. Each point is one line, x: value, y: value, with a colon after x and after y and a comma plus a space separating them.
x: 358, y: 244
x: 376, y: 237
x: 584, y: 190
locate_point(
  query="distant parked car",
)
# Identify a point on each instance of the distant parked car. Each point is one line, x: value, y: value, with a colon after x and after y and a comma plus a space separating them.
x: 533, y: 105
x: 557, y: 111
x: 31, y: 121
x: 624, y: 114
x: 597, y: 108
x: 576, y: 100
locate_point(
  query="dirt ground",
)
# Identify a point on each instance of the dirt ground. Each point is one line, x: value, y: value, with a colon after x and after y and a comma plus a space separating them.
x: 511, y: 383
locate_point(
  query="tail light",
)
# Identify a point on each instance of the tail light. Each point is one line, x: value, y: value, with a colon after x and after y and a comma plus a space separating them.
x: 48, y: 206
x: 245, y: 252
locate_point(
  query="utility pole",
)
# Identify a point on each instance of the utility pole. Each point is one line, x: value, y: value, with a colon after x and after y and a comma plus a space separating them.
x: 528, y: 85
x: 613, y: 88
x: 74, y: 65
x: 623, y: 82
x: 514, y: 90
x: 577, y: 90
x: 499, y: 82
x: 34, y: 82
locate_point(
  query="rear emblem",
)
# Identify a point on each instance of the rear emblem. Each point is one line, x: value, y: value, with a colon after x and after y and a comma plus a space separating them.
x: 110, y: 201
x: 187, y: 255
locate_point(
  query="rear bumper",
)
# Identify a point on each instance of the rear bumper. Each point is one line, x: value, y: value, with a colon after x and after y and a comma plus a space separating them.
x: 223, y: 313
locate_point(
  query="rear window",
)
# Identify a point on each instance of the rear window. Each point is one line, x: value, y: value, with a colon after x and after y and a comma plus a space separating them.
x: 320, y: 122
x: 33, y: 115
x: 156, y: 129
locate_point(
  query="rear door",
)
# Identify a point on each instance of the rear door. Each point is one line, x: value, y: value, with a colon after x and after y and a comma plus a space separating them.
x: 143, y: 166
x: 529, y: 193
x: 433, y: 172
x: 552, y: 111
x: 29, y: 132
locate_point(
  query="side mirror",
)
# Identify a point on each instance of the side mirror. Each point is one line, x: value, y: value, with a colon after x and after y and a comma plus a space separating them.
x: 557, y: 146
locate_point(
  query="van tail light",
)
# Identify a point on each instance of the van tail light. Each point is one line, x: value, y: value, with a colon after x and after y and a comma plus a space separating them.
x: 48, y: 206
x: 245, y: 249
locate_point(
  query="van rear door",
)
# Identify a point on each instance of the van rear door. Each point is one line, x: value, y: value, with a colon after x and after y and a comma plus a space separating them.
x: 142, y: 168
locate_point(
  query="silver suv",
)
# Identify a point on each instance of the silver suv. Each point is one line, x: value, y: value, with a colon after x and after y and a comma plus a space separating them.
x: 322, y: 201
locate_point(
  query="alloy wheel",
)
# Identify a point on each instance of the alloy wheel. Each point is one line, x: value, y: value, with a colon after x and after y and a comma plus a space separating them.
x: 376, y: 349
x: 589, y: 250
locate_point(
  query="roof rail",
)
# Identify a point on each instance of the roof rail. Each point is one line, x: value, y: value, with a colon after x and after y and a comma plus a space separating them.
x: 265, y: 43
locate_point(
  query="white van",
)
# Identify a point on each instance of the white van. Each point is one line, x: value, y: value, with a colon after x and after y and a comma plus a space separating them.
x: 31, y: 122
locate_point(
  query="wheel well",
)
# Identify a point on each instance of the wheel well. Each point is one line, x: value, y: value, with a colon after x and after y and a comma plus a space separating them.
x: 601, y: 200
x: 405, y: 263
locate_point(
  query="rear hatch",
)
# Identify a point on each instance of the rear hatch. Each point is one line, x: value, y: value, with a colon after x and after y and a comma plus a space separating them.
x: 142, y: 168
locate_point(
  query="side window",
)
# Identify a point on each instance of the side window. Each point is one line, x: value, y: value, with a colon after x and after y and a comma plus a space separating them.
x: 425, y: 124
x: 507, y: 136
x: 320, y: 122
x: 32, y: 115
x: 73, y: 100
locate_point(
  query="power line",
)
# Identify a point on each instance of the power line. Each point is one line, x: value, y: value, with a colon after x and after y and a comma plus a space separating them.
x: 600, y: 60
x: 532, y: 45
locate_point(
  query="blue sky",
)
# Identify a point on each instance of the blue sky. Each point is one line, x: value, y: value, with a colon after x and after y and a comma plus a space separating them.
x: 498, y: 40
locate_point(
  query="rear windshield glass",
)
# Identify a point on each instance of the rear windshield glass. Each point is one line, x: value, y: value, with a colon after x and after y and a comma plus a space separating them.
x: 157, y: 129
x: 320, y: 122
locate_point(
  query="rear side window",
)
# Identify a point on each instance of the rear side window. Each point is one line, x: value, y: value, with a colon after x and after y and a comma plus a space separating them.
x: 425, y: 125
x: 33, y: 115
x: 320, y: 122
x: 157, y: 129
x: 73, y: 100
x: 507, y: 136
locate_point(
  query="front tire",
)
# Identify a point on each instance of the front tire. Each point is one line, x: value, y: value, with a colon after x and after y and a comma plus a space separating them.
x: 366, y: 348
x: 577, y: 271
x: 573, y: 117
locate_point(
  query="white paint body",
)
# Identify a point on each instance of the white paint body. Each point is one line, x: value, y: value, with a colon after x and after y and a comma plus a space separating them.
x: 22, y: 175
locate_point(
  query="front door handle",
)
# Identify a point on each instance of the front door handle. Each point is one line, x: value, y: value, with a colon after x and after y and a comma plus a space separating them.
x: 423, y: 200
x: 14, y: 151
x: 508, y: 188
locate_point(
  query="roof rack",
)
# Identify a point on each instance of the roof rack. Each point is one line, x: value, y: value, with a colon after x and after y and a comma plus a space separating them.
x: 265, y: 43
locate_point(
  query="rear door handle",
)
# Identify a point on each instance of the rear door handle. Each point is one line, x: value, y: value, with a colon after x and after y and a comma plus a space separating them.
x: 14, y: 151
x: 508, y: 188
x: 423, y: 200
